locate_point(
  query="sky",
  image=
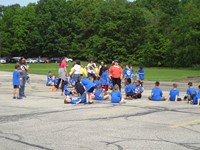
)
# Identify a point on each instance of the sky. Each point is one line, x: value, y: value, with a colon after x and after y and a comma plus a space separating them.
x: 21, y: 2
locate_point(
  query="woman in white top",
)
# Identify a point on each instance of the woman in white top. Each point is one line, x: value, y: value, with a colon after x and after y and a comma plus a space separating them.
x: 77, y: 69
x: 91, y: 68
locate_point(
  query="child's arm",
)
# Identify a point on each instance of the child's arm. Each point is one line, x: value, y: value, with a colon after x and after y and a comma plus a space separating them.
x: 198, y: 101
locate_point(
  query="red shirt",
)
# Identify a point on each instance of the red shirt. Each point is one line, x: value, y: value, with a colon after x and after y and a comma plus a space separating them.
x: 115, y: 71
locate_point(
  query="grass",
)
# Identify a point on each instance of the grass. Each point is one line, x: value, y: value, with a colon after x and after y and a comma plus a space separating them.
x: 152, y: 74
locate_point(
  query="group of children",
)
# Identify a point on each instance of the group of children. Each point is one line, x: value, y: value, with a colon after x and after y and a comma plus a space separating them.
x: 192, y: 96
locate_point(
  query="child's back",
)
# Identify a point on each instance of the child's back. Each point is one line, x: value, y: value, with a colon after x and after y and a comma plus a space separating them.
x: 99, y: 94
x: 116, y: 96
x: 173, y: 94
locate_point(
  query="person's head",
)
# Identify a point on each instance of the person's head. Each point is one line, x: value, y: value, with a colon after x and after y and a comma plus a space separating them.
x: 78, y: 62
x: 80, y: 78
x: 141, y: 67
x: 189, y: 84
x: 22, y: 61
x: 17, y: 66
x: 91, y: 78
x: 116, y: 63
x: 91, y: 60
x: 116, y: 87
x: 127, y: 66
x: 128, y: 81
x: 102, y: 63
x: 100, y: 85
x: 157, y: 83
x: 174, y: 85
x: 105, y: 69
x: 199, y: 87
x: 138, y: 83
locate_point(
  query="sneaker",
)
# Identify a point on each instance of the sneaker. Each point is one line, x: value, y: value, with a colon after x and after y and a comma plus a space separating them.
x: 90, y: 102
x: 14, y: 97
x: 19, y: 97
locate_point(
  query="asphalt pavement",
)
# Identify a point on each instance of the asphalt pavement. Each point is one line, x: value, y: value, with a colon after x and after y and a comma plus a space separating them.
x: 43, y: 122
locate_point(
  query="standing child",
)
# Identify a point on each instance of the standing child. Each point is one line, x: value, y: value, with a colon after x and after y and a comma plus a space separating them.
x: 105, y: 78
x: 156, y: 94
x: 16, y: 82
x: 66, y: 92
x: 116, y: 95
x: 174, y: 93
x: 141, y: 73
x: 138, y: 90
x: 190, y: 93
x: 197, y: 98
x: 99, y: 93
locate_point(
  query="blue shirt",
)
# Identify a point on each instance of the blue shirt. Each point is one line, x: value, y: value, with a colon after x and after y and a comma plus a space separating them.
x: 16, y: 76
x: 195, y: 100
x: 128, y: 73
x: 138, y: 89
x: 104, y: 78
x: 116, y: 97
x: 191, y: 90
x: 71, y: 80
x: 130, y: 88
x: 173, y: 93
x: 67, y: 92
x: 87, y: 84
x: 141, y: 74
x: 156, y: 94
x: 96, y: 82
x: 99, y: 94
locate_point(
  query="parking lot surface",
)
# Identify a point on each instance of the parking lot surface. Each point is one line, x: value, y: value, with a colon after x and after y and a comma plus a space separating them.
x: 43, y: 122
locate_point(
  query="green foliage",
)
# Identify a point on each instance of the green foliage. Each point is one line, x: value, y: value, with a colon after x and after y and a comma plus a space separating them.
x: 148, y: 32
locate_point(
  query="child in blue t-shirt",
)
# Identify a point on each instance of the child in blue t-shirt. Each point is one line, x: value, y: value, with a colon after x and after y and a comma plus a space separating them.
x: 196, y: 100
x: 128, y: 73
x: 66, y: 92
x: 105, y: 78
x: 190, y: 93
x: 129, y: 89
x: 81, y: 99
x: 16, y: 82
x: 156, y: 94
x: 174, y: 93
x: 141, y: 73
x: 89, y: 87
x: 138, y: 90
x: 99, y: 93
x: 116, y: 95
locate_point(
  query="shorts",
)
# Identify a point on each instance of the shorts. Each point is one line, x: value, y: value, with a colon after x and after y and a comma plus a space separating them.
x: 91, y: 90
x: 16, y: 86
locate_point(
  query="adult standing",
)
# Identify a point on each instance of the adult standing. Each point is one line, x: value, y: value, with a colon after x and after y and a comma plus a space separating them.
x: 24, y: 67
x: 77, y: 69
x: 91, y: 68
x: 62, y: 72
x: 116, y: 73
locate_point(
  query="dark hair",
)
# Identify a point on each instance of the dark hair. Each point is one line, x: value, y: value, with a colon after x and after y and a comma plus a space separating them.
x: 190, y: 83
x: 175, y: 85
x: 17, y: 66
x: 157, y: 83
x: 128, y: 80
x: 138, y: 81
x: 78, y: 62
x: 141, y: 67
x: 21, y: 62
x: 199, y: 86
x: 105, y: 68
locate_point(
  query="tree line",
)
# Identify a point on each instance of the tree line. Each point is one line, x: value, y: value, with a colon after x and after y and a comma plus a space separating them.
x: 148, y: 32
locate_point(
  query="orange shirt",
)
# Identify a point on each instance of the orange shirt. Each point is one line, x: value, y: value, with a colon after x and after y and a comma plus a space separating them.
x: 115, y: 71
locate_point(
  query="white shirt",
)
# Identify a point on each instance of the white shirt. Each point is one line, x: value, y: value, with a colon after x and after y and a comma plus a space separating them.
x: 77, y: 69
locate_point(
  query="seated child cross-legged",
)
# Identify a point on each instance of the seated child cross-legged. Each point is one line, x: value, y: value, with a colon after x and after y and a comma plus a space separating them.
x: 196, y: 100
x: 138, y: 90
x: 174, y: 93
x: 190, y: 93
x: 116, y: 95
x: 129, y: 89
x: 99, y: 93
x: 156, y: 94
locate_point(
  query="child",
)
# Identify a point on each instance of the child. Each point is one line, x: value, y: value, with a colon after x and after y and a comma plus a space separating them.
x: 49, y: 80
x: 138, y: 90
x: 16, y: 82
x: 128, y: 73
x: 72, y: 81
x: 141, y: 73
x: 174, y: 93
x: 89, y: 87
x: 99, y: 93
x: 197, y: 98
x: 96, y: 81
x: 81, y: 99
x: 156, y: 94
x: 55, y: 80
x: 116, y: 95
x: 104, y: 78
x: 129, y: 88
x: 66, y: 91
x: 190, y: 93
